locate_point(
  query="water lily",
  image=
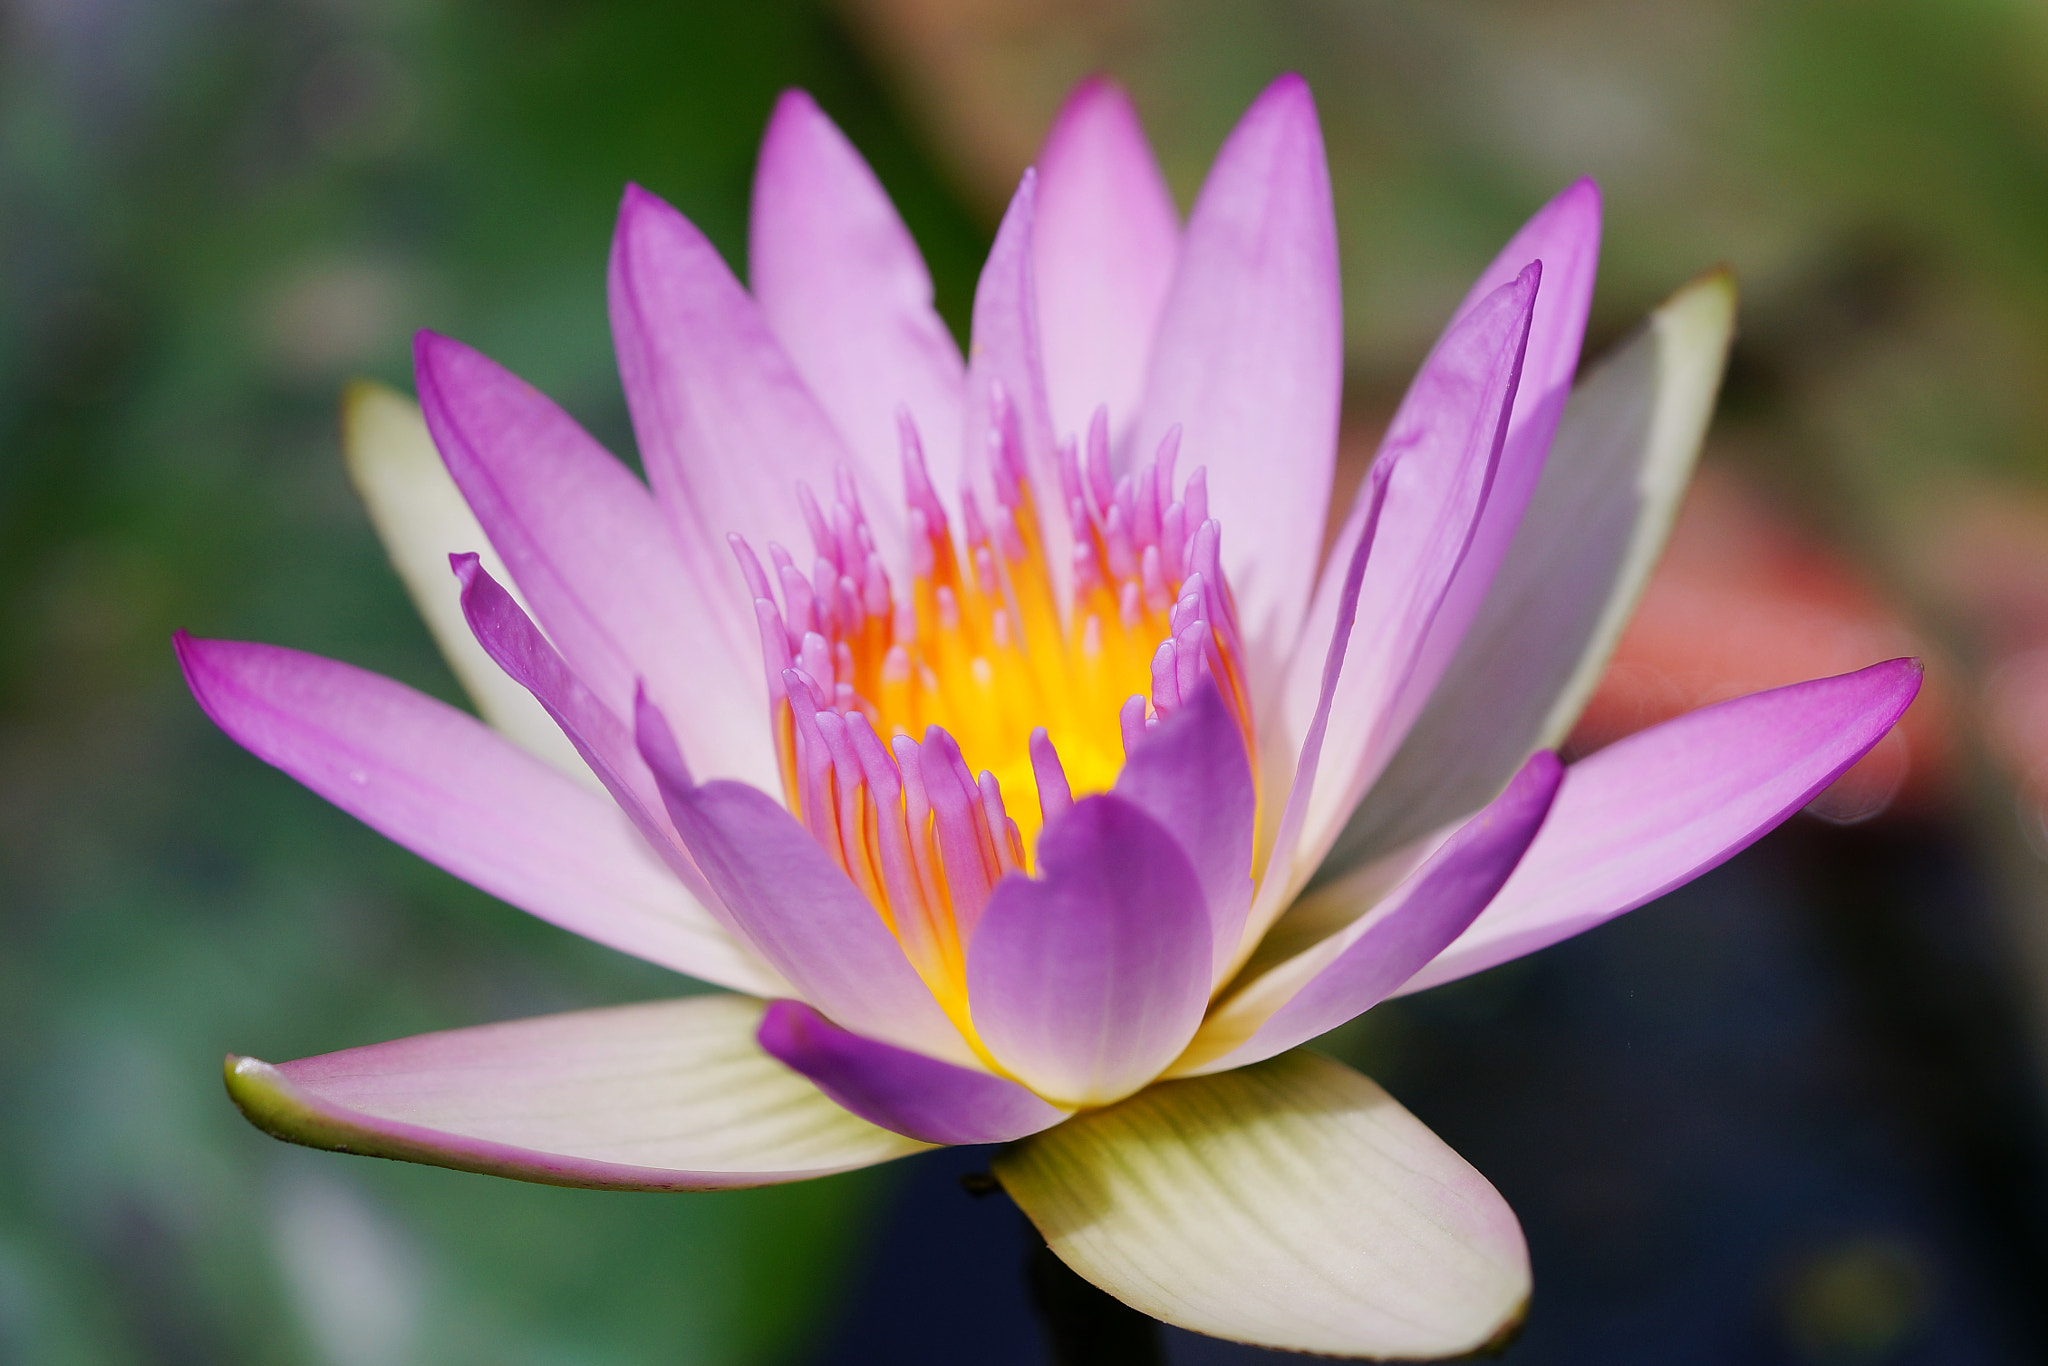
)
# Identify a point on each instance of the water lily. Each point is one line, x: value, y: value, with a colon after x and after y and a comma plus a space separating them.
x: 998, y: 732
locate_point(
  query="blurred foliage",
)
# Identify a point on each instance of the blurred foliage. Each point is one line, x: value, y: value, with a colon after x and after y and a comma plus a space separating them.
x: 212, y: 212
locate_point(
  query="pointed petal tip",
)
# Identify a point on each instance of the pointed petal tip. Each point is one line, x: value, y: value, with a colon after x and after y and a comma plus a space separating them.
x: 1286, y: 104
x: 793, y: 100
x: 1288, y: 86
x: 1098, y: 95
x: 268, y: 1101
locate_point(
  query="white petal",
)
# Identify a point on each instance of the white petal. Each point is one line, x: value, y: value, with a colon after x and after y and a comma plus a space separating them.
x: 670, y: 1095
x: 421, y: 518
x: 1292, y: 1204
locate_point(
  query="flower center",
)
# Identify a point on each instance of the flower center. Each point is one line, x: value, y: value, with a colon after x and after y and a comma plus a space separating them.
x: 926, y: 735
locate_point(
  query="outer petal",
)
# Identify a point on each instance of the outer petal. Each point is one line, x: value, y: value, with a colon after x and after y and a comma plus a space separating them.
x: 455, y: 792
x: 1594, y: 530
x: 1666, y: 804
x: 842, y: 286
x: 1352, y: 971
x: 1007, y: 353
x: 726, y: 425
x: 1192, y: 775
x: 795, y: 906
x: 672, y: 1095
x: 1293, y: 1204
x: 420, y: 517
x: 1445, y: 441
x: 1089, y: 979
x: 1106, y: 243
x: 902, y: 1091
x: 1250, y: 361
x: 589, y: 550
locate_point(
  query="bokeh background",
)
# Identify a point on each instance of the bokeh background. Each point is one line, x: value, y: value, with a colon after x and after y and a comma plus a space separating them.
x: 1789, y: 1114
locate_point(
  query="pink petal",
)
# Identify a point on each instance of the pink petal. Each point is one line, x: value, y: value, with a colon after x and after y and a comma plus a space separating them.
x: 671, y: 1095
x: 795, y: 906
x: 902, y: 1091
x: 589, y: 550
x: 1104, y: 245
x: 1354, y: 970
x: 726, y: 426
x: 455, y: 792
x: 1445, y: 442
x: 1564, y: 237
x: 1593, y: 530
x: 1277, y: 884
x: 1659, y: 808
x: 1250, y: 361
x: 1191, y: 774
x: 1090, y: 978
x: 842, y: 286
x: 516, y: 646
x: 1007, y: 356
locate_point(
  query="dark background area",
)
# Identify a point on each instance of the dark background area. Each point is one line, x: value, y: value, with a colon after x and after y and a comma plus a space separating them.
x: 1788, y: 1114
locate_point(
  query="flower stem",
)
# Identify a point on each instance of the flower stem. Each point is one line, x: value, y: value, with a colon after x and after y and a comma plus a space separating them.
x: 1085, y: 1326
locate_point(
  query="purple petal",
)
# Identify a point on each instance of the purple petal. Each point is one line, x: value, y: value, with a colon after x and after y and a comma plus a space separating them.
x: 1250, y: 359
x: 516, y: 646
x: 671, y: 1095
x: 1564, y: 237
x: 903, y: 1091
x: 1105, y: 243
x: 796, y: 907
x: 726, y: 426
x: 842, y: 286
x: 589, y: 550
x: 1659, y: 808
x: 1191, y: 774
x: 447, y: 787
x: 1445, y: 442
x: 1089, y: 979
x: 1007, y: 355
x: 1353, y: 971
x: 1592, y: 534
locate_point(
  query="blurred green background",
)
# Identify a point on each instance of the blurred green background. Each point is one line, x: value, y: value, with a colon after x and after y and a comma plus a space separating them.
x: 215, y: 212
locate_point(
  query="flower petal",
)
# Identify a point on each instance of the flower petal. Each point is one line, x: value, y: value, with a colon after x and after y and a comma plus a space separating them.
x: 726, y: 425
x: 1104, y: 245
x: 1090, y: 978
x: 1564, y: 237
x: 1191, y: 774
x: 796, y: 907
x: 1666, y: 804
x: 1293, y: 1204
x: 599, y: 737
x: 588, y: 549
x: 1250, y: 360
x: 1445, y: 443
x: 1006, y: 354
x: 420, y: 517
x: 903, y: 1091
x: 458, y: 794
x: 842, y: 286
x: 670, y: 1095
x: 1594, y: 530
x: 1354, y: 970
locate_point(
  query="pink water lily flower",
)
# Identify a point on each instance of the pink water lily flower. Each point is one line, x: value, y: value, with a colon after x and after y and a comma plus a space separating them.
x: 997, y: 731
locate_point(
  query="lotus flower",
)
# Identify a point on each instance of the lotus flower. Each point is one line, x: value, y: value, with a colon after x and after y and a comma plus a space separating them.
x: 1058, y: 812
